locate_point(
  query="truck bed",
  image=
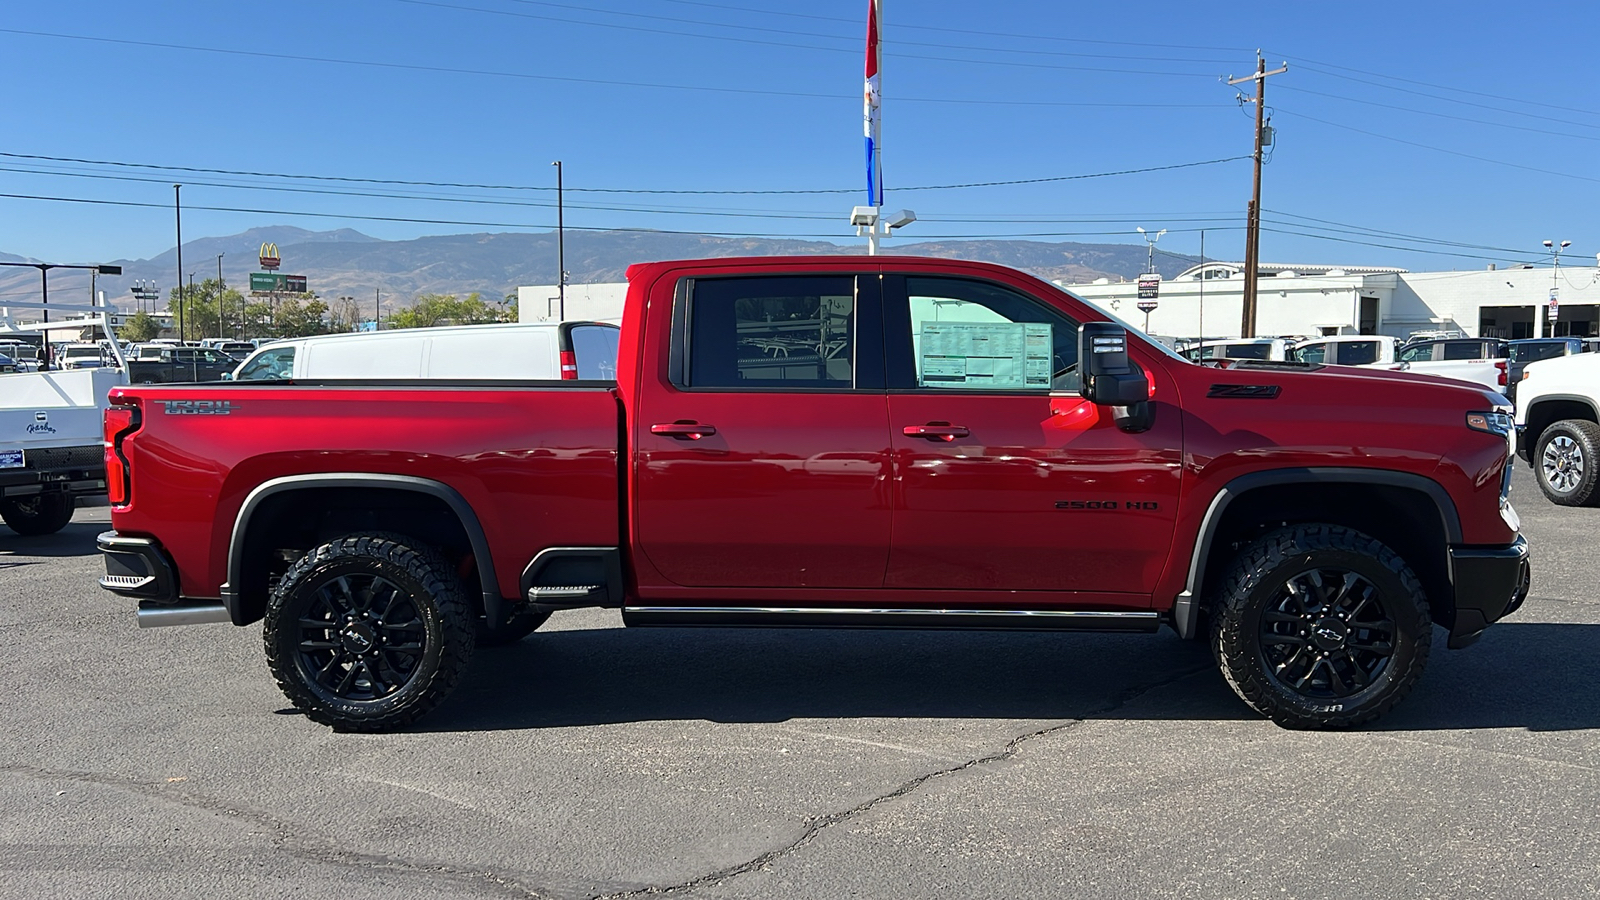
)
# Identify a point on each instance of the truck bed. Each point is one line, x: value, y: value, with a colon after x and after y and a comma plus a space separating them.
x: 536, y: 461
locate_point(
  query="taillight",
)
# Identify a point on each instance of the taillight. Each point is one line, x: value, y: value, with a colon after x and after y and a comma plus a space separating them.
x: 569, y: 366
x: 119, y: 421
x: 1501, y: 367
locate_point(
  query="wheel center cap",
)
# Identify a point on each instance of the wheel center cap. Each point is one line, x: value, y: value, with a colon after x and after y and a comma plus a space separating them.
x: 1329, y: 634
x: 358, y: 637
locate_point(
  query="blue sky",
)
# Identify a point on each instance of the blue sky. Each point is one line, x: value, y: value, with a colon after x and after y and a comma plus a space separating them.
x: 1423, y: 135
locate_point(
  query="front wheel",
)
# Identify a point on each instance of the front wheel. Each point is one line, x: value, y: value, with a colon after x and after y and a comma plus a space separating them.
x: 1567, y: 462
x: 1318, y: 626
x: 368, y: 632
x: 38, y: 514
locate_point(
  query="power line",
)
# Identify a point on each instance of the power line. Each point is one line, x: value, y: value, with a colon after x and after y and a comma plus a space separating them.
x: 964, y: 31
x: 1509, y: 112
x: 1312, y: 63
x: 791, y: 32
x: 415, y: 67
x: 1324, y: 237
x: 1498, y: 162
x: 514, y: 187
x: 525, y: 225
x: 1424, y: 112
x: 1396, y: 234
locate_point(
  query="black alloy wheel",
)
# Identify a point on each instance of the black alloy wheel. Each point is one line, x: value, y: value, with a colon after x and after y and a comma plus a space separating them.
x: 1320, y: 626
x: 1325, y: 634
x: 368, y: 632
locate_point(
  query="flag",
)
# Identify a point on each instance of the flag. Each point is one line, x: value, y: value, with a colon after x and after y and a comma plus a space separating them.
x: 873, y: 103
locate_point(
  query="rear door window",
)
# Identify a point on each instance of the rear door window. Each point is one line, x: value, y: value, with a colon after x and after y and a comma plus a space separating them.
x: 1357, y: 353
x: 772, y: 332
x: 1415, y: 353
x: 1463, y: 350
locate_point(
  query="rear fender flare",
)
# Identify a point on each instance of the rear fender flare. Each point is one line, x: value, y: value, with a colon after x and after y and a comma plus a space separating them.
x: 450, y: 496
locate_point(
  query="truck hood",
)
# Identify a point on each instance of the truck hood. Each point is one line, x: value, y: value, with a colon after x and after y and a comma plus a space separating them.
x: 1366, y: 385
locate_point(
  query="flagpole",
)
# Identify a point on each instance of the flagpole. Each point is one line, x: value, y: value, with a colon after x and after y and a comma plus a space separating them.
x: 874, y: 122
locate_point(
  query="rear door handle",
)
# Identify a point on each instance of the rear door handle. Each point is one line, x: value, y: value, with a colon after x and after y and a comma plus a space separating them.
x: 684, y: 431
x: 936, y: 431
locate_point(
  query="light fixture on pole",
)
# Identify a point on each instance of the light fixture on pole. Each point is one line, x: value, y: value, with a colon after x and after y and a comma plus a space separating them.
x: 1554, y: 309
x: 1150, y: 241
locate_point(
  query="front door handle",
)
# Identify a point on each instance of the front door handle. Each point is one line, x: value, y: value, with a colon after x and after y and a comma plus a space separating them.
x: 684, y: 430
x: 936, y: 431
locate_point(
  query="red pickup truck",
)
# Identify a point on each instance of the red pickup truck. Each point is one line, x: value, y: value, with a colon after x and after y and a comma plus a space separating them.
x: 830, y: 441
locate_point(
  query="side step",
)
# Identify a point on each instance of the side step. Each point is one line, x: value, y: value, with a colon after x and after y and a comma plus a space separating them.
x: 561, y: 595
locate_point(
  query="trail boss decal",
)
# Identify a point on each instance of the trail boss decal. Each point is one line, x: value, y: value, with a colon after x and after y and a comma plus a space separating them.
x: 198, y: 407
x: 1110, y: 505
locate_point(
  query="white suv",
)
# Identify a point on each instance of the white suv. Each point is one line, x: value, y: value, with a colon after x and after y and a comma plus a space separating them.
x: 1558, y: 417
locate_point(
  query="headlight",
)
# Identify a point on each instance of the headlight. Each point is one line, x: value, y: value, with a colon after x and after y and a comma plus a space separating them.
x: 1490, y: 422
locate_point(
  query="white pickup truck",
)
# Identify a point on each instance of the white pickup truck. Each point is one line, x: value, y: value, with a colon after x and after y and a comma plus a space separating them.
x: 1480, y: 360
x: 1558, y: 420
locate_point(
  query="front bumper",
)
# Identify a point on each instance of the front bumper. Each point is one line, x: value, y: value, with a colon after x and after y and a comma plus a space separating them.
x: 138, y: 567
x: 1490, y: 583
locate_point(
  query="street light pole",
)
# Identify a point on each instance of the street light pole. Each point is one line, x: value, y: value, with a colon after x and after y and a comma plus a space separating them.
x: 177, y: 213
x: 561, y: 247
x: 222, y: 317
x: 1150, y: 242
x: 1552, y: 312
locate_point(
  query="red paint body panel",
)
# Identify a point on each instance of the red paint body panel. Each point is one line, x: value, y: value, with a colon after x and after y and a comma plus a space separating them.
x: 538, y: 466
x: 816, y: 498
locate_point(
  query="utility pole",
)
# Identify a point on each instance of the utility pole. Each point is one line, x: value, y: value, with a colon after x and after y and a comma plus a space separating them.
x: 177, y: 212
x: 222, y: 311
x: 377, y: 309
x: 1552, y: 312
x: 1202, y: 325
x: 561, y: 249
x: 1252, y: 241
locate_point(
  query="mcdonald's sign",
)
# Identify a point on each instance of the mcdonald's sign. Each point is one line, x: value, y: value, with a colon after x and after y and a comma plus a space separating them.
x: 269, y: 256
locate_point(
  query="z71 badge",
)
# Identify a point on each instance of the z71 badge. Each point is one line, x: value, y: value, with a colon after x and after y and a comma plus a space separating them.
x: 198, y: 407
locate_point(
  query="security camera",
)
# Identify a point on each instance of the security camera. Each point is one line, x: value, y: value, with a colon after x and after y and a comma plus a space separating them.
x: 865, y: 216
x: 900, y: 218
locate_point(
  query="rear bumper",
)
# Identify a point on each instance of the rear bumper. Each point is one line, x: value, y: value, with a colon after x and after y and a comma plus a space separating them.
x: 138, y: 567
x: 81, y: 470
x: 1490, y: 584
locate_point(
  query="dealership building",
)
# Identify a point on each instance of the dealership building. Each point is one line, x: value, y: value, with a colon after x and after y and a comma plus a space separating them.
x: 1306, y: 300
x: 1322, y: 300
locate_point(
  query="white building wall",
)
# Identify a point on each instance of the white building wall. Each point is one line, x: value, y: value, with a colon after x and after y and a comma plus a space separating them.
x: 584, y: 302
x: 1287, y: 306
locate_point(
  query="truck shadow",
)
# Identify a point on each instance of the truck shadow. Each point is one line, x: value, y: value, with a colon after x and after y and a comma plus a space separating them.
x: 77, y: 539
x: 1536, y: 676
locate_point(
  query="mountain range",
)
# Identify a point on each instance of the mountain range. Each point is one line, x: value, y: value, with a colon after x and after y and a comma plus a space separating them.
x: 345, y: 262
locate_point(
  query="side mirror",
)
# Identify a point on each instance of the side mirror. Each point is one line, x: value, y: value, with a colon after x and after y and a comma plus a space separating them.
x: 1110, y: 378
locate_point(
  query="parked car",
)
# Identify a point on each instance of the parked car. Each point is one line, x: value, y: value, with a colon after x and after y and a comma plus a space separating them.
x: 515, y: 351
x: 1243, y: 348
x: 50, y: 444
x: 1535, y: 349
x: 1346, y: 350
x: 829, y: 441
x: 1558, y: 417
x: 7, y: 364
x: 166, y: 364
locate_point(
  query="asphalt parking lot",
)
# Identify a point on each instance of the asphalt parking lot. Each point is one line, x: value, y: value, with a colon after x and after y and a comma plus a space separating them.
x: 593, y: 761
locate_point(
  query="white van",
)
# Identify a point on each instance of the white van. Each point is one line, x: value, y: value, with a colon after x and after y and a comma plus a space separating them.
x: 512, y: 351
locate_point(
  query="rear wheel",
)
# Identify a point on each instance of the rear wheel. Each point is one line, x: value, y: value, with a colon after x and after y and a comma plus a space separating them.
x: 1318, y: 626
x: 39, y: 514
x: 1567, y: 462
x: 368, y: 632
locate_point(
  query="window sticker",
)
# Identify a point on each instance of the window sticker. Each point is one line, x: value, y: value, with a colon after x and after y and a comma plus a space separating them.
x: 984, y: 355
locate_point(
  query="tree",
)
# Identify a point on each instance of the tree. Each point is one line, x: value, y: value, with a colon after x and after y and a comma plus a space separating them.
x: 300, y: 316
x: 139, y: 327
x: 209, y: 309
x: 344, y: 314
x: 431, y: 310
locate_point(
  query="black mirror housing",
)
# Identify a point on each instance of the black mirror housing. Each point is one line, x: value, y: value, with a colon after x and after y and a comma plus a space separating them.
x: 1110, y: 377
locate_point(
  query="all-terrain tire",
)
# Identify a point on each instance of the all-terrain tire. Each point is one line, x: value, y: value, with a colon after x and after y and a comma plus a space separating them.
x: 1320, y: 626
x: 368, y: 632
x: 1566, y: 463
x: 521, y: 625
x: 39, y: 514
